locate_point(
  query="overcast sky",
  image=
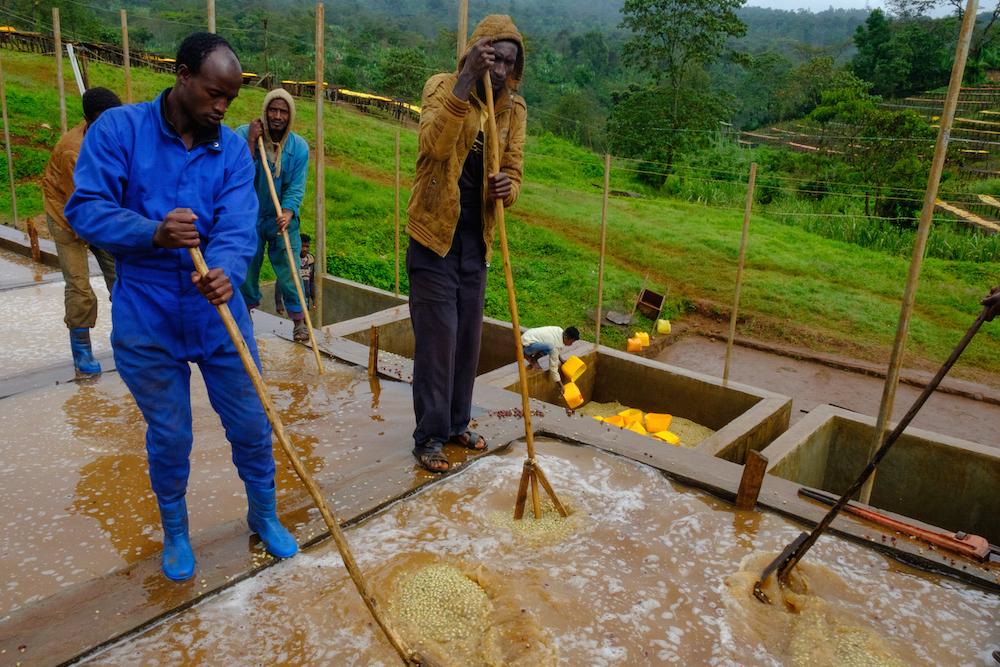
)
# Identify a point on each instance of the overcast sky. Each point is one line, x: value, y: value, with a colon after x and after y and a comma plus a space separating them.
x: 814, y: 5
x: 820, y: 5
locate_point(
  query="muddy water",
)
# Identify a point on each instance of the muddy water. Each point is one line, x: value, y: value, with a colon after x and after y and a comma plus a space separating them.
x: 16, y: 269
x: 32, y: 332
x: 75, y: 501
x: 645, y: 576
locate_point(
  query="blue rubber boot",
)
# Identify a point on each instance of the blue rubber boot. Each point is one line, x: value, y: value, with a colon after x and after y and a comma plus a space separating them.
x: 83, y: 357
x: 178, y: 558
x: 263, y: 520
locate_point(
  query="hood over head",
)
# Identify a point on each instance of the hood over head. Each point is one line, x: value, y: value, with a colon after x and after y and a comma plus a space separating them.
x: 500, y: 28
x: 271, y: 147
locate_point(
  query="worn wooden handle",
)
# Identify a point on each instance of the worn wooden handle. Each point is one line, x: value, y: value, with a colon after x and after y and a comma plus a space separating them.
x: 293, y: 265
x: 408, y: 656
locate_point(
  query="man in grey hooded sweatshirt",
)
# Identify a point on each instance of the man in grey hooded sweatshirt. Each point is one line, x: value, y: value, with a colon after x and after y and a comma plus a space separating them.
x: 287, y: 155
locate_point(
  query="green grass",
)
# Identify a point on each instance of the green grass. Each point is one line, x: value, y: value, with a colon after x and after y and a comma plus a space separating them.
x: 800, y: 286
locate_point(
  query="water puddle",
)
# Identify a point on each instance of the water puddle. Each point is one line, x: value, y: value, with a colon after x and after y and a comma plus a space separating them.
x: 649, y: 574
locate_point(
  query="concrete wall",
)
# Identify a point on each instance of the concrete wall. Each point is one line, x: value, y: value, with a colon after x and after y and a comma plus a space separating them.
x: 342, y: 300
x: 743, y: 417
x: 396, y: 336
x: 936, y: 479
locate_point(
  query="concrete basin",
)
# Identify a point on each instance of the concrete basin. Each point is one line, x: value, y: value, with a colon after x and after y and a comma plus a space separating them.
x: 937, y: 479
x: 396, y: 336
x: 742, y: 417
x: 342, y: 300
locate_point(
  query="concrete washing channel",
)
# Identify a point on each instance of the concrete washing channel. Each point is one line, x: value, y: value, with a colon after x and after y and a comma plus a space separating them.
x: 943, y: 481
x: 650, y: 568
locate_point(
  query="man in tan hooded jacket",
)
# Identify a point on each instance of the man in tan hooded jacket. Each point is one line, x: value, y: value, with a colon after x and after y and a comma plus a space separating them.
x: 287, y: 156
x: 452, y: 219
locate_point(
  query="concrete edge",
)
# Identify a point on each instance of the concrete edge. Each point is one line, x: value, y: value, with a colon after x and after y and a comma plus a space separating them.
x: 17, y: 241
x: 822, y: 414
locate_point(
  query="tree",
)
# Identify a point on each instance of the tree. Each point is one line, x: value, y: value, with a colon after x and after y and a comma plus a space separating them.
x: 638, y: 125
x: 888, y: 149
x: 982, y: 37
x: 402, y: 72
x: 673, y: 40
x: 902, y: 57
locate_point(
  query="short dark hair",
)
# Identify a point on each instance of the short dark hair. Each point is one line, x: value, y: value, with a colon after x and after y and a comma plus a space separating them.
x: 196, y: 47
x: 305, y: 238
x: 98, y: 100
x: 572, y: 333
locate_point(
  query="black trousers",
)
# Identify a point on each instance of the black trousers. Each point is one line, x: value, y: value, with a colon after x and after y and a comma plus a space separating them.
x: 446, y: 311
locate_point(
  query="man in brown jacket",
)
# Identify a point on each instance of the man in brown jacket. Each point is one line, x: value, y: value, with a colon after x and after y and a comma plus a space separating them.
x: 452, y: 219
x: 57, y: 186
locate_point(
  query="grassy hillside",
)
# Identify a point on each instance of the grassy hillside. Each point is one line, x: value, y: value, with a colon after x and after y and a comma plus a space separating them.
x: 799, y: 287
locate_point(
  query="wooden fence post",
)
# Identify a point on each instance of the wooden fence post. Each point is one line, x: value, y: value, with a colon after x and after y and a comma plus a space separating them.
x: 57, y: 39
x: 397, y: 210
x: 604, y: 237
x: 210, y: 10
x: 126, y: 59
x: 751, y: 184
x: 920, y: 241
x: 320, y: 154
x: 6, y: 141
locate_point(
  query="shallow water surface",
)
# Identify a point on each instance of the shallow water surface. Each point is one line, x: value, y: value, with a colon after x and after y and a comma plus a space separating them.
x: 647, y: 573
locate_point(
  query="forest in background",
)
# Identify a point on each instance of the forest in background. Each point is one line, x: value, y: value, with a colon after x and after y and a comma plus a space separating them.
x: 668, y: 83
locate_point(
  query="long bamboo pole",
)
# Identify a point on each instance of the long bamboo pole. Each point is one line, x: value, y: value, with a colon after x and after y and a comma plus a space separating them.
x: 522, y: 373
x: 6, y: 143
x: 126, y: 59
x: 397, y: 185
x: 292, y: 264
x: 320, y: 154
x: 463, y: 27
x: 604, y: 238
x: 920, y: 242
x: 210, y: 10
x: 60, y: 85
x: 408, y: 656
x: 751, y: 184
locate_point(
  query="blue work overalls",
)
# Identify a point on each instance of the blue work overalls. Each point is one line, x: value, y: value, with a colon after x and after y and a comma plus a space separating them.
x: 133, y: 169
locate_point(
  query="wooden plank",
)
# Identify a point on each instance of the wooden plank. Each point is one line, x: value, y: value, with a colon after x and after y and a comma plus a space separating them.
x: 750, y: 483
x: 966, y: 216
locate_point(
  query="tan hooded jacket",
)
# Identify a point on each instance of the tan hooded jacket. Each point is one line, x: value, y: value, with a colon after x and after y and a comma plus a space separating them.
x: 448, y: 129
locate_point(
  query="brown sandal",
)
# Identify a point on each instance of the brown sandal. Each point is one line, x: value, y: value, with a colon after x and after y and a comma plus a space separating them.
x: 469, y: 440
x: 431, y: 458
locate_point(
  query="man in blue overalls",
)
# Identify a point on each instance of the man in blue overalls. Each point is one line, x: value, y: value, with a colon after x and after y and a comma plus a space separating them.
x: 152, y: 181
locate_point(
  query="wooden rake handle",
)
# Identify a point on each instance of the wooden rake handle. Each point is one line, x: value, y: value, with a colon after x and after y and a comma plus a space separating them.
x: 292, y: 264
x: 408, y: 656
x: 522, y: 373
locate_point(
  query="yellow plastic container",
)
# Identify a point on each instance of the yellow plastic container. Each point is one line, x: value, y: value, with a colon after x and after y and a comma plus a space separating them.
x: 634, y: 345
x: 656, y: 422
x: 637, y: 428
x: 667, y: 437
x: 615, y: 420
x: 573, y: 369
x: 663, y: 327
x: 631, y: 416
x: 643, y: 338
x: 571, y: 393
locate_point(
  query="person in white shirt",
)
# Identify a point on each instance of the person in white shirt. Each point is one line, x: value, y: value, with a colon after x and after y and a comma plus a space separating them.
x: 542, y: 341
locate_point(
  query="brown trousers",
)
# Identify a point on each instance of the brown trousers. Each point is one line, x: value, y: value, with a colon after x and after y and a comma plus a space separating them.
x: 81, y: 302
